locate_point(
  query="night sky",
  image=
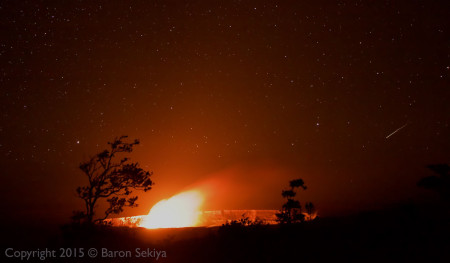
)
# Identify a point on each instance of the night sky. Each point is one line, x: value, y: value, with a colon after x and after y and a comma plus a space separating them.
x: 241, y: 95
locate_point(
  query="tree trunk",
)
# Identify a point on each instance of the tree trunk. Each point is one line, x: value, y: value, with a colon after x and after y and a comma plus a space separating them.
x: 90, y: 212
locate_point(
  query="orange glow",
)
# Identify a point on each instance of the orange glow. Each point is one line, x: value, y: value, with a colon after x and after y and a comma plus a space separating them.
x: 181, y: 210
x: 309, y: 217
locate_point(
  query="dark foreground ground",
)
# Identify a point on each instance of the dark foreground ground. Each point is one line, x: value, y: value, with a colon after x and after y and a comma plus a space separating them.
x: 403, y: 234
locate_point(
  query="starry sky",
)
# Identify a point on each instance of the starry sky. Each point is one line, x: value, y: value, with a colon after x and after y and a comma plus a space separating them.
x: 244, y: 94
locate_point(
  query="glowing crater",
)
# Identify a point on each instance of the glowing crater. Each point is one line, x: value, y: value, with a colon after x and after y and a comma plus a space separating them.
x: 181, y: 210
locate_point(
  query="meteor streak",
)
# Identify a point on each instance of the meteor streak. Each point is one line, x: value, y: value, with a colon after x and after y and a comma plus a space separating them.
x: 394, y: 132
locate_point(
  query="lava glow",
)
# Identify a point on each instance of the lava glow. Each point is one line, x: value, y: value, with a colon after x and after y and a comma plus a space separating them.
x: 182, y: 210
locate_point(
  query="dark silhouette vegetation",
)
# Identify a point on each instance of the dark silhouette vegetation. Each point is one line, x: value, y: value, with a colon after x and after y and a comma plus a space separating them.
x: 406, y: 232
x: 440, y: 182
x: 113, y: 177
x: 291, y: 211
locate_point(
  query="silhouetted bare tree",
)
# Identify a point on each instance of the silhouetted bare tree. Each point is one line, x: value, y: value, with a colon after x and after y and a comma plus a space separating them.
x: 111, y: 177
x: 291, y: 211
x: 440, y: 182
